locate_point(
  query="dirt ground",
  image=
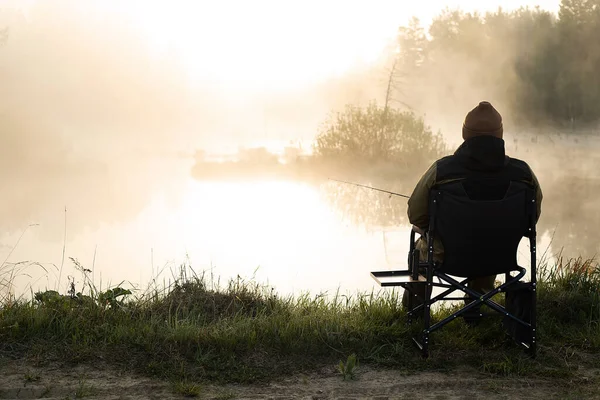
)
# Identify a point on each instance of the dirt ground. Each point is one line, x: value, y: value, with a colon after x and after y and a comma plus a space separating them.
x: 21, y: 380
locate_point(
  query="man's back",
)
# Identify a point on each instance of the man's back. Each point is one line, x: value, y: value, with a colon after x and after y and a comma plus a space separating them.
x: 485, y: 168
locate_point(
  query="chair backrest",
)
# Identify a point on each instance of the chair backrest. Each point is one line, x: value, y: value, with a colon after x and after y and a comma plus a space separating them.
x: 481, y: 235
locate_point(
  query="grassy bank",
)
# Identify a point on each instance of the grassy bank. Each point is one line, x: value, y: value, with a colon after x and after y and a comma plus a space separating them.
x: 245, y: 332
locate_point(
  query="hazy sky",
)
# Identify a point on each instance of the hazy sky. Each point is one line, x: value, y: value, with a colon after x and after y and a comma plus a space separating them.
x: 275, y: 44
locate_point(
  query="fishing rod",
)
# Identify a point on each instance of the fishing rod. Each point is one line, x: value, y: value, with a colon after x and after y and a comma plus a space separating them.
x: 372, y: 188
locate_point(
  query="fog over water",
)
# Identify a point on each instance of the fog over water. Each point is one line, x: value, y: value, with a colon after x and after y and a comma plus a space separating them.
x: 104, y: 107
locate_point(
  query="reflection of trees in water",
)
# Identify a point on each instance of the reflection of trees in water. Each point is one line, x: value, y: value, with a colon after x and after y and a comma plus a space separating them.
x: 368, y: 207
x: 571, y: 213
x: 567, y: 167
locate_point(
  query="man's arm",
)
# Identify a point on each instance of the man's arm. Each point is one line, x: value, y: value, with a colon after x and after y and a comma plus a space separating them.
x: 418, y: 204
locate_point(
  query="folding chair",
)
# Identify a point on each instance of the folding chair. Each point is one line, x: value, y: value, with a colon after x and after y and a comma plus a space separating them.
x: 480, y: 238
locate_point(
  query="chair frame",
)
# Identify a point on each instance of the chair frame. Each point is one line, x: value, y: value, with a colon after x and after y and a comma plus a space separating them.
x: 413, y: 276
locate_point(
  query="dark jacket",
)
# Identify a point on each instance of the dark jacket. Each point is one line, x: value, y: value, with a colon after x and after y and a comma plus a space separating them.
x: 482, y: 163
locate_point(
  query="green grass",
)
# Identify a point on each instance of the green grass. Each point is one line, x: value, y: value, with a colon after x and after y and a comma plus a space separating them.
x: 84, y: 389
x: 187, y: 389
x: 244, y: 332
x: 29, y: 377
x: 347, y: 369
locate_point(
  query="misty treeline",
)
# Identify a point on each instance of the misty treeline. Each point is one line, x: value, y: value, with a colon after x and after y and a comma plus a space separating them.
x: 539, y: 67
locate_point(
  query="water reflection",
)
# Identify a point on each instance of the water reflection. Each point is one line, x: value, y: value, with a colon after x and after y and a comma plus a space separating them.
x: 567, y: 168
x: 370, y: 208
x: 280, y: 233
x: 571, y: 214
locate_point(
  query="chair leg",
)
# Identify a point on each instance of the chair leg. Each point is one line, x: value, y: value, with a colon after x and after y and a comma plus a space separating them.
x: 425, y: 345
x: 427, y: 312
x: 415, y: 260
x: 533, y: 320
x: 533, y: 350
x: 410, y: 307
x: 413, y: 265
x: 426, y: 325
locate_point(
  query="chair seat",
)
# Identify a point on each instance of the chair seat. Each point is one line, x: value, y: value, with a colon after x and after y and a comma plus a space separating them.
x: 396, y: 278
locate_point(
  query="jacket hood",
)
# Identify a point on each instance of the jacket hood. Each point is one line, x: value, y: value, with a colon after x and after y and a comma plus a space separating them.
x: 482, y: 153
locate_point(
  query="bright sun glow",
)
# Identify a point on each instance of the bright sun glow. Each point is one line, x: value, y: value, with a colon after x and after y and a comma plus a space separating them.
x: 264, y: 44
x: 274, y: 44
x: 255, y: 219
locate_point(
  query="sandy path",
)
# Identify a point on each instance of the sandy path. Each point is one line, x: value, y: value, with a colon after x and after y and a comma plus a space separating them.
x: 19, y: 380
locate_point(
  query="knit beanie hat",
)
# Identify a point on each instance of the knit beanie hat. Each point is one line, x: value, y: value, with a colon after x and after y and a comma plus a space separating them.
x: 482, y: 120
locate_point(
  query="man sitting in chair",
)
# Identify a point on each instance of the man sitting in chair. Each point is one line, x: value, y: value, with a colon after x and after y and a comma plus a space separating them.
x: 480, y: 161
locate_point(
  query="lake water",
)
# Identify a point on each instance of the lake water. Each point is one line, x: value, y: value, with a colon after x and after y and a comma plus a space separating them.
x: 283, y: 234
